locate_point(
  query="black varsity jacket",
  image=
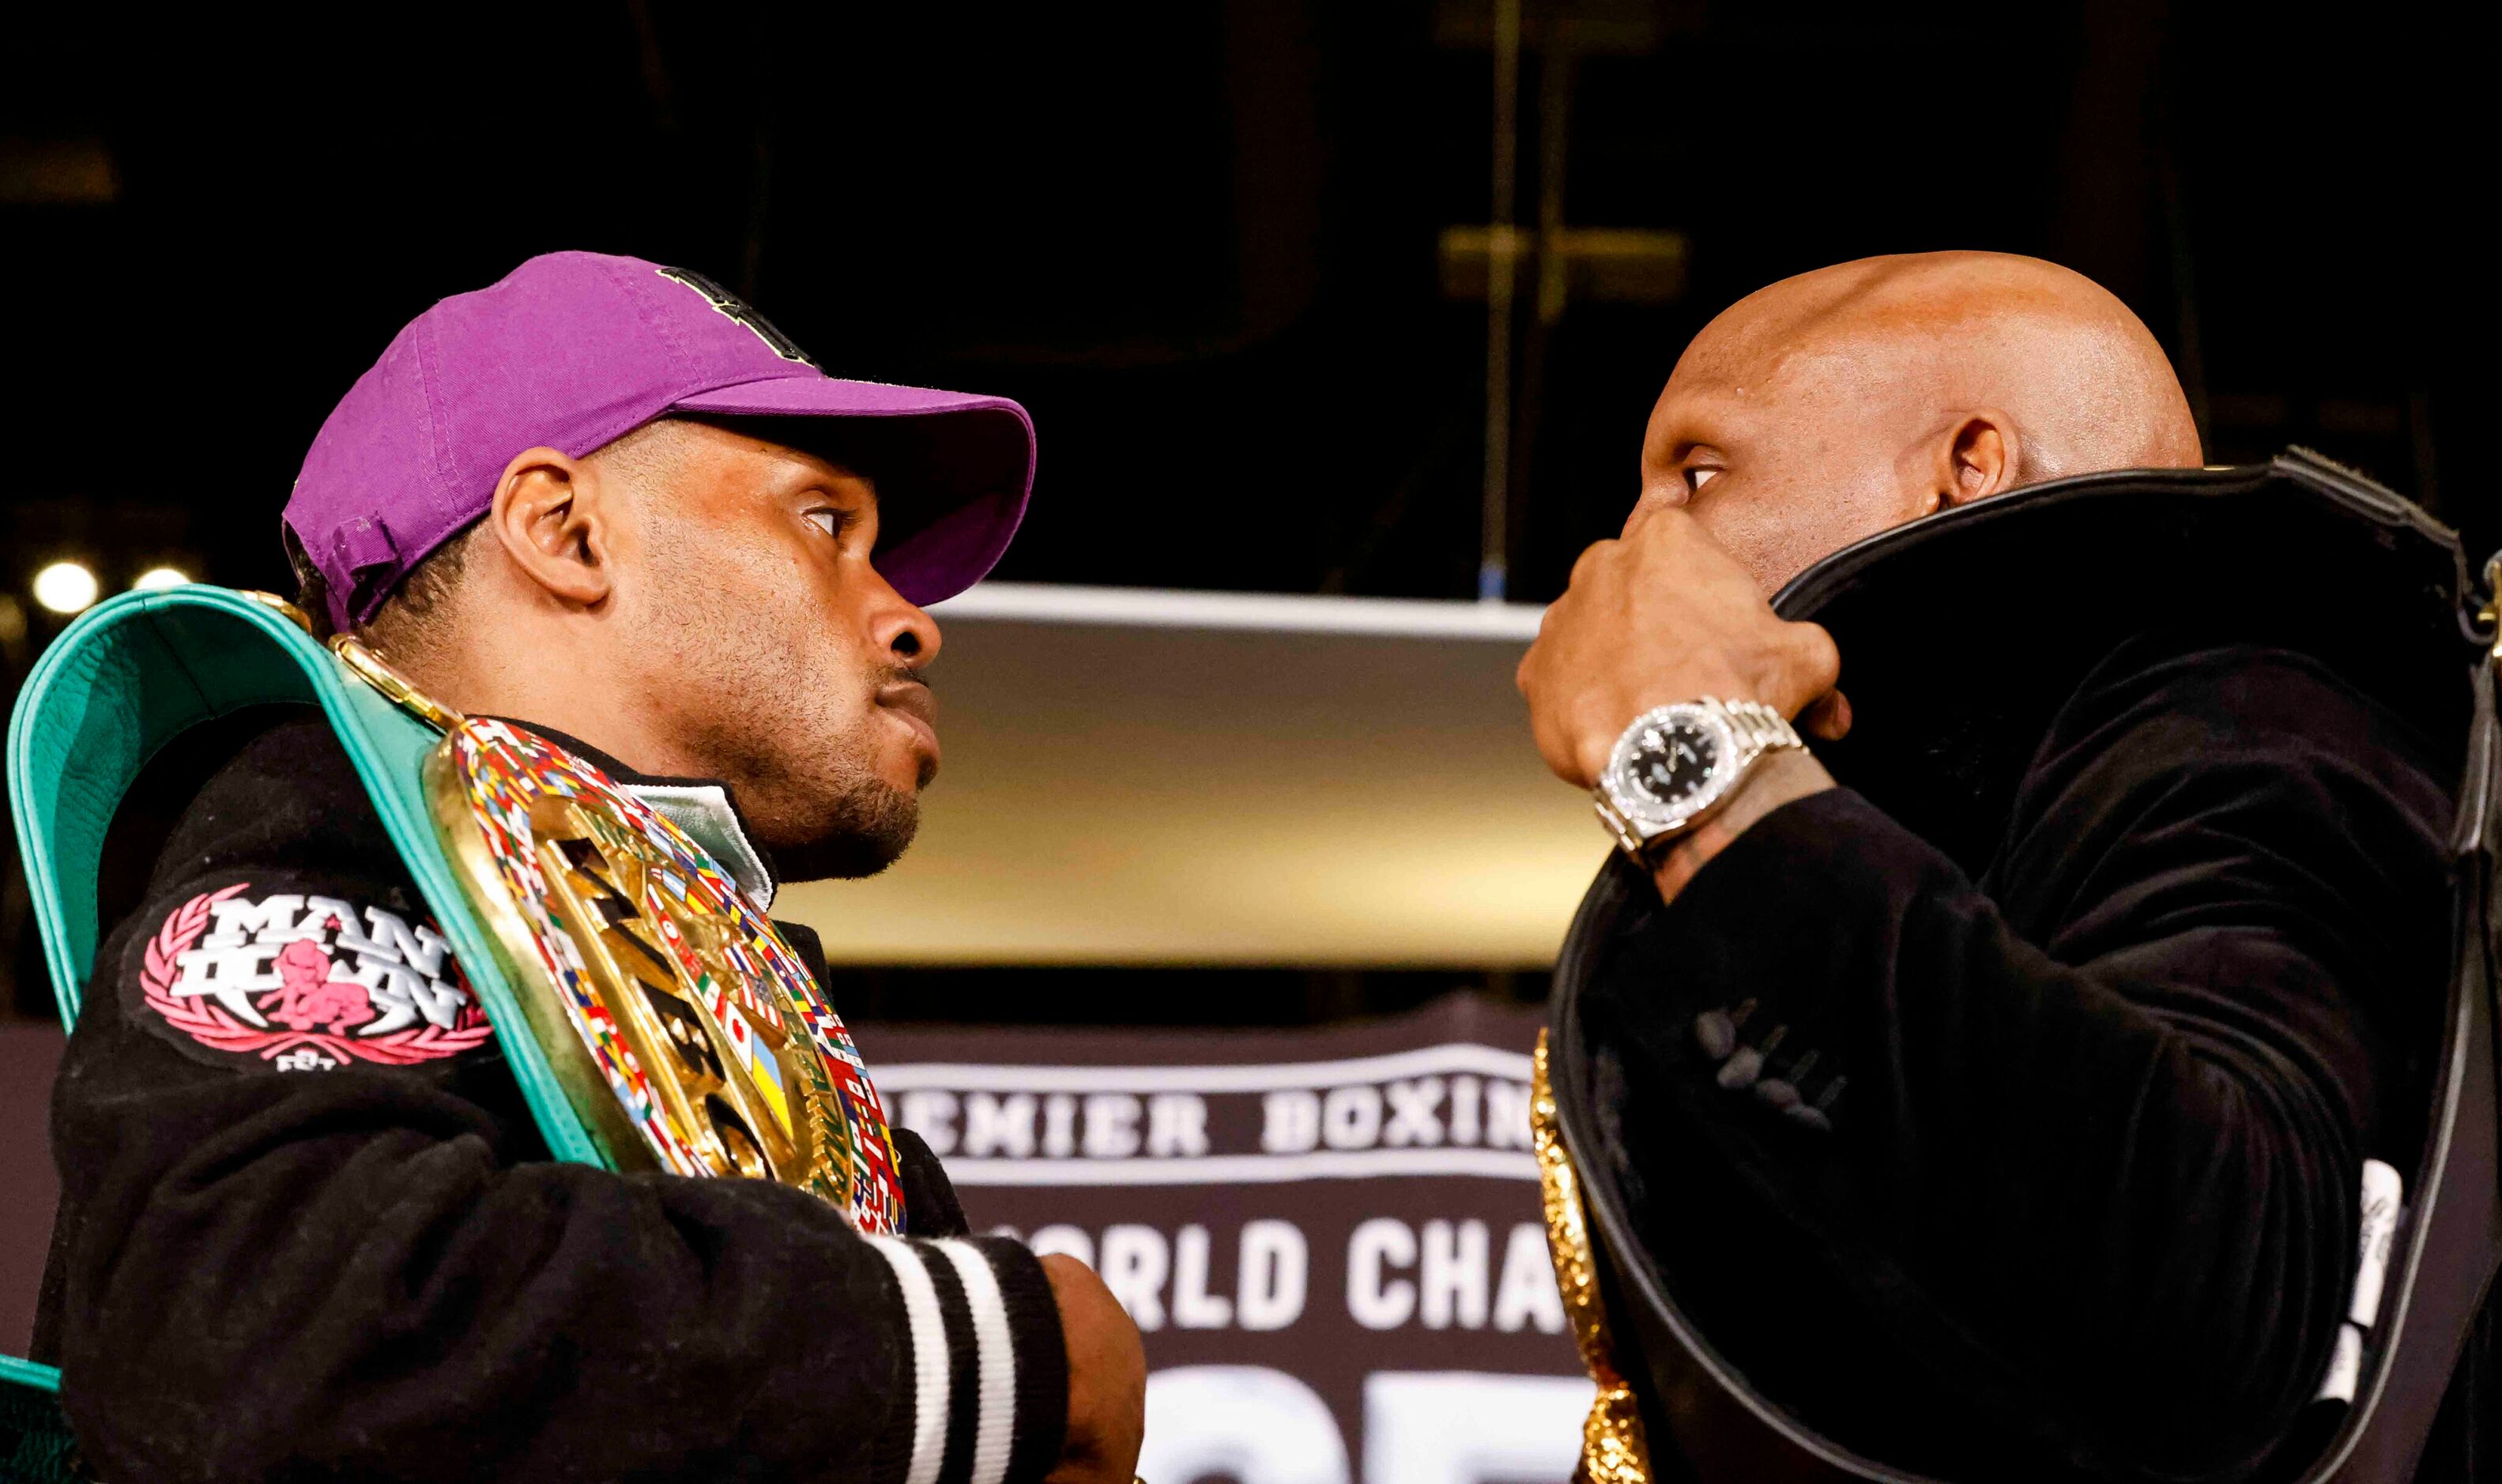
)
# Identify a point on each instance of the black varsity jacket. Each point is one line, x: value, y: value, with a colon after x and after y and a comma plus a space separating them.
x: 350, y: 1256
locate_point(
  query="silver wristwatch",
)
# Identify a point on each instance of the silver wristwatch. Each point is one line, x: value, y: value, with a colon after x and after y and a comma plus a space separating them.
x: 1677, y: 765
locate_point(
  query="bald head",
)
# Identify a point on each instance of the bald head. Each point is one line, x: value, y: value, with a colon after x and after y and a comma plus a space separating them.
x: 1834, y: 405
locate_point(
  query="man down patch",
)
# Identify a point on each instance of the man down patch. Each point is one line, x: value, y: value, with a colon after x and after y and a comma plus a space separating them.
x: 309, y: 983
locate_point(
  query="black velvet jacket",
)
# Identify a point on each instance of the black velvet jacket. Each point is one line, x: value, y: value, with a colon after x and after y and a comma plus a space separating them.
x: 278, y: 1263
x: 2052, y: 1173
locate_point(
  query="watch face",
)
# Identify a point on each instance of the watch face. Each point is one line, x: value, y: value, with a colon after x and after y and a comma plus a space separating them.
x: 1671, y: 765
x: 1674, y: 760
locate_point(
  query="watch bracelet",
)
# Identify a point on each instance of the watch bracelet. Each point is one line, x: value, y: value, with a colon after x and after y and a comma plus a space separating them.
x: 1760, y: 729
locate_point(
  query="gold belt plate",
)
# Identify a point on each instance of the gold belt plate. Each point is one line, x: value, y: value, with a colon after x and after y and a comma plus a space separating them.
x: 684, y: 1031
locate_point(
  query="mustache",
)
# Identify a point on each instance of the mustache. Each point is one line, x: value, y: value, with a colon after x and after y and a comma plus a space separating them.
x: 905, y: 675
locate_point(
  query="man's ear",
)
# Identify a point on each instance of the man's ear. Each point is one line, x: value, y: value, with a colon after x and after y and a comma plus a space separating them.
x: 1977, y: 457
x: 552, y: 518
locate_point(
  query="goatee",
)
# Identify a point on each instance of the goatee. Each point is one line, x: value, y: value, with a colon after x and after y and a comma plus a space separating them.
x: 872, y: 824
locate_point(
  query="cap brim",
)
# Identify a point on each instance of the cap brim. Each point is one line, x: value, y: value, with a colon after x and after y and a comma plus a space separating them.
x: 953, y: 469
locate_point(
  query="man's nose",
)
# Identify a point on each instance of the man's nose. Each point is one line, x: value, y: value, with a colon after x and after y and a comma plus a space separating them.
x: 908, y: 634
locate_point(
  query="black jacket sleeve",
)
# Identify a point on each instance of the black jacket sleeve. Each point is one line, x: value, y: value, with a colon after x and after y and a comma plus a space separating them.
x: 2090, y: 1137
x: 279, y: 1256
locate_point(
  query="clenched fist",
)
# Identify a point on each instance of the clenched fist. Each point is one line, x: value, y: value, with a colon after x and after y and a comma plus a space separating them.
x: 1662, y: 614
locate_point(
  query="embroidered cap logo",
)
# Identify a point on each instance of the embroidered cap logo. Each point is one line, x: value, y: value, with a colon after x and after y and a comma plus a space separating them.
x: 739, y: 308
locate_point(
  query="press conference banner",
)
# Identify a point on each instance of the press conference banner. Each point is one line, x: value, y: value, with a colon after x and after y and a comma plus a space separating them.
x: 1328, y: 1238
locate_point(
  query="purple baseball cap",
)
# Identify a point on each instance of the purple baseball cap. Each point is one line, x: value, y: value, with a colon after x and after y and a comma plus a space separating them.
x: 575, y: 349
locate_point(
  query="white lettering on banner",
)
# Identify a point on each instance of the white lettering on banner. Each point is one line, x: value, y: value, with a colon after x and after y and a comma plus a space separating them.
x: 1176, y: 1124
x: 1058, y: 1128
x: 1452, y: 1276
x: 1441, y: 1278
x: 1526, y: 1293
x: 1454, y: 1109
x: 1289, y: 1122
x: 1395, y: 1274
x: 1351, y: 1117
x: 1467, y: 1427
x: 1111, y: 1125
x: 1506, y: 1115
x: 1273, y: 1274
x: 1464, y: 1126
x: 1246, y: 1423
x: 996, y: 1124
x: 1194, y: 1307
x: 1412, y: 1116
x: 1218, y: 1199
x: 1376, y: 1303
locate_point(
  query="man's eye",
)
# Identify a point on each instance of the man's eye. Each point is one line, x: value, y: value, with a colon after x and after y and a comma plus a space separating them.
x: 1697, y: 478
x: 831, y: 522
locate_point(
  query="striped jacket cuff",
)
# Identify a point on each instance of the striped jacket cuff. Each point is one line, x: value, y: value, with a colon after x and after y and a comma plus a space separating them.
x: 988, y: 1371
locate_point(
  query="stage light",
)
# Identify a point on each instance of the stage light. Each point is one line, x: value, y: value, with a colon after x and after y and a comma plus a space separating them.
x: 158, y: 579
x: 65, y: 586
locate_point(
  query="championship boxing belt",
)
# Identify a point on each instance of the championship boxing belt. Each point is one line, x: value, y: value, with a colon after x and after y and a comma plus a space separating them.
x: 1964, y: 633
x: 652, y: 1015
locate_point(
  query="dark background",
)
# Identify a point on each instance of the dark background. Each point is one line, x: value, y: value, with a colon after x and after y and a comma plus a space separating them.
x: 1199, y: 240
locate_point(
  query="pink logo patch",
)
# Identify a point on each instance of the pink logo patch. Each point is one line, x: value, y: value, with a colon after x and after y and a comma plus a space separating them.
x: 309, y: 983
x: 306, y: 997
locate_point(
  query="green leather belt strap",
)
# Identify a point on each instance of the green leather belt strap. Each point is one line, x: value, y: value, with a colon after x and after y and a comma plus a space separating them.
x: 130, y: 677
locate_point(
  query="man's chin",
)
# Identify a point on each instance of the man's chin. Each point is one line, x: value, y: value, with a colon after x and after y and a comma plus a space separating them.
x: 876, y: 827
